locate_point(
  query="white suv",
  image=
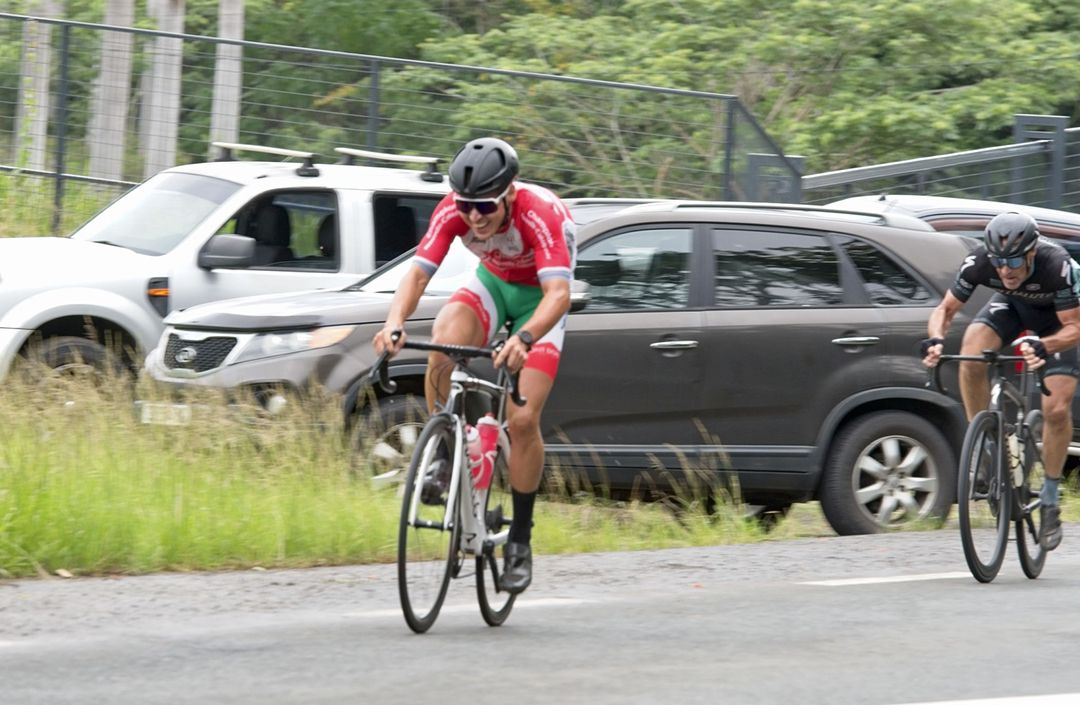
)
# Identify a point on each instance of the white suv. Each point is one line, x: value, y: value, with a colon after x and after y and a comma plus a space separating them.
x: 205, y: 232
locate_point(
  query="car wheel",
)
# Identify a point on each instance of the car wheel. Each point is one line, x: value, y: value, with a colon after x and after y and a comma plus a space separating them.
x: 56, y: 367
x: 885, y: 471
x: 384, y: 436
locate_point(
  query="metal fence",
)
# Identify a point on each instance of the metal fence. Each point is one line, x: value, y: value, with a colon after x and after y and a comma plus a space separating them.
x: 581, y: 137
x: 1041, y: 168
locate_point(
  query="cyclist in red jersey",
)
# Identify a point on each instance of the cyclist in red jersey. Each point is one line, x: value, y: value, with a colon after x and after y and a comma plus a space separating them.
x: 524, y: 237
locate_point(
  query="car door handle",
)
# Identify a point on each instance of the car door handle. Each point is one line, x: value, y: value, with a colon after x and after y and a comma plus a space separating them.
x: 674, y: 345
x: 858, y: 340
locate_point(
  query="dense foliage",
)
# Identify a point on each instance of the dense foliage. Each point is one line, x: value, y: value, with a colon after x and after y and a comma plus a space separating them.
x: 843, y: 82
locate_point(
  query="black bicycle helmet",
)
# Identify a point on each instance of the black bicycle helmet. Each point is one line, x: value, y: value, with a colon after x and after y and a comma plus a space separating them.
x: 483, y: 167
x: 1010, y: 234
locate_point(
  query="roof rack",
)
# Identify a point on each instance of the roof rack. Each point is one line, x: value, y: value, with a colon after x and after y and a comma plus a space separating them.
x: 308, y: 168
x: 431, y: 174
x: 886, y: 218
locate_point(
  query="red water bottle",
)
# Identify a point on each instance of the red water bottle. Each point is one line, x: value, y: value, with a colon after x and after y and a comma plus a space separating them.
x: 489, y: 442
x: 472, y: 447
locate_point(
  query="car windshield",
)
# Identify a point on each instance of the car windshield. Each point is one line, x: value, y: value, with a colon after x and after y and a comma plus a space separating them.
x: 155, y: 216
x: 452, y: 274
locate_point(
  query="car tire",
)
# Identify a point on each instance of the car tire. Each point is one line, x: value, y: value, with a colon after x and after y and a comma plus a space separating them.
x: 384, y: 435
x: 887, y: 470
x: 53, y: 365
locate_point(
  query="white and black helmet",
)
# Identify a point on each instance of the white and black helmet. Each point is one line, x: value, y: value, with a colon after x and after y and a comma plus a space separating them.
x: 1010, y: 234
x: 483, y: 167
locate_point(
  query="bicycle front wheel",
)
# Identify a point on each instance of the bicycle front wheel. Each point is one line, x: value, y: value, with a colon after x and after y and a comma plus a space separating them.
x: 1029, y: 516
x: 428, y: 532
x: 984, y: 497
x: 495, y: 603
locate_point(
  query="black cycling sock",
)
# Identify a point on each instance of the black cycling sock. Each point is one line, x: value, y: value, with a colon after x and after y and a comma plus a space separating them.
x: 521, y: 524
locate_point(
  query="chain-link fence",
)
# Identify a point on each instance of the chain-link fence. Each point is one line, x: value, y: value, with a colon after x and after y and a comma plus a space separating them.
x: 1042, y: 168
x: 88, y: 110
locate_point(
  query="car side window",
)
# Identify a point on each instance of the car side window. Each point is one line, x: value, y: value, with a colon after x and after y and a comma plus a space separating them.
x: 887, y: 283
x: 637, y: 270
x: 400, y: 222
x: 291, y: 229
x: 766, y: 268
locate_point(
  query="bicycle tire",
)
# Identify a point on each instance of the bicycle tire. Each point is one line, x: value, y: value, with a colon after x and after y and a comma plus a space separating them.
x: 427, y: 553
x: 1029, y: 520
x: 984, y: 550
x: 495, y: 604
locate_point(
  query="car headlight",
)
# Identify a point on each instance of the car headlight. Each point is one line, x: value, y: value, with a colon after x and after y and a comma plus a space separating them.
x: 272, y: 344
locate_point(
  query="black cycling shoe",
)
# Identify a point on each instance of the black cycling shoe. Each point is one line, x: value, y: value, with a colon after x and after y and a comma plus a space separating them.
x: 1051, y: 527
x: 436, y: 482
x: 517, y: 569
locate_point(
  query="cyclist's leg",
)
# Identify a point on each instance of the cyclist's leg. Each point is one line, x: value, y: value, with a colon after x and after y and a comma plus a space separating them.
x: 1061, y: 374
x: 526, y: 441
x: 471, y: 317
x: 1061, y: 379
x: 995, y: 324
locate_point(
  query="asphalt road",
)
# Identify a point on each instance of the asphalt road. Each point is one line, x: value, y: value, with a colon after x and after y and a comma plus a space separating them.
x: 868, y: 620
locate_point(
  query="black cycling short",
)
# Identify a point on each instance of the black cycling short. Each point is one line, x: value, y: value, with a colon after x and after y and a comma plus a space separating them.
x: 1010, y: 317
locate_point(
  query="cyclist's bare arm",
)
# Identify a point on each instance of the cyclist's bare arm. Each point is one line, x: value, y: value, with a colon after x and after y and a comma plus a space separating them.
x: 939, y: 324
x: 407, y: 296
x: 1064, y: 339
x: 1068, y: 336
x: 552, y: 307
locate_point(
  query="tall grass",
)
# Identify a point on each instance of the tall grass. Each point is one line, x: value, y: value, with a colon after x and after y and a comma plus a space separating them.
x: 86, y: 488
x: 28, y: 204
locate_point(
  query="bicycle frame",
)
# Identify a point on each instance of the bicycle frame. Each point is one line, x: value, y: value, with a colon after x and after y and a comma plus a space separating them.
x: 1008, y: 401
x: 474, y: 531
x: 1004, y: 479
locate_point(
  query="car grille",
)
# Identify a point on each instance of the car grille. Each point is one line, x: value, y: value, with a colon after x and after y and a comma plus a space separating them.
x: 197, y: 355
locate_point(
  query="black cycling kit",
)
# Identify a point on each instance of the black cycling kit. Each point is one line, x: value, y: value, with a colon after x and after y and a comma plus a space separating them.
x: 1053, y: 285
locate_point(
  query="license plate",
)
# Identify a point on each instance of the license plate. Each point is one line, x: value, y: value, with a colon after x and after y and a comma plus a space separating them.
x: 164, y: 414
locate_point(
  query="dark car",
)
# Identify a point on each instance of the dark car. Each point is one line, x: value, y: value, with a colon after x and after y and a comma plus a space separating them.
x: 766, y: 348
x: 967, y: 216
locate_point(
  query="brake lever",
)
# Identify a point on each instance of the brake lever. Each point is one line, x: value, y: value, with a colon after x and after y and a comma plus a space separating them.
x: 515, y: 394
x: 380, y: 372
x: 1041, y: 375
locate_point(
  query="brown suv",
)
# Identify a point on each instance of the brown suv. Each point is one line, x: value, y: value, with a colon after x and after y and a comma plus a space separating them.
x: 773, y: 344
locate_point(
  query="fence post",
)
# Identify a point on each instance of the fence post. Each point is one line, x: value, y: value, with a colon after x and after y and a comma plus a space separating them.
x: 1027, y: 127
x: 61, y: 127
x: 372, y: 141
x: 729, y: 140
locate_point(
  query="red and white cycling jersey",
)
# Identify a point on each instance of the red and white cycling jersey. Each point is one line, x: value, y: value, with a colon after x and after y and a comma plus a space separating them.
x: 537, y: 244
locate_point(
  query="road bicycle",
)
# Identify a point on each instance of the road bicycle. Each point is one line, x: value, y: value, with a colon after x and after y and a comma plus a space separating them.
x: 438, y: 534
x: 1001, y: 471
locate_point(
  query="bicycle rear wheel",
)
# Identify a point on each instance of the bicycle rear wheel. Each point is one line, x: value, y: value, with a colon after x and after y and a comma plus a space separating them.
x: 984, y: 497
x: 1029, y: 518
x: 428, y: 532
x: 495, y: 604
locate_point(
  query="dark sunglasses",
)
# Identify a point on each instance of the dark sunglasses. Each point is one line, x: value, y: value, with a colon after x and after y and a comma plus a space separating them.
x: 1010, y: 262
x: 485, y: 206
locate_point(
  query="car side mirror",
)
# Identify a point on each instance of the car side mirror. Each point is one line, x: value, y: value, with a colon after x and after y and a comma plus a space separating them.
x: 227, y: 252
x: 579, y: 295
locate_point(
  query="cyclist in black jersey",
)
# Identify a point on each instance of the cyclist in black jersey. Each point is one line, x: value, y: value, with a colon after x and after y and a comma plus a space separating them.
x: 1037, y: 290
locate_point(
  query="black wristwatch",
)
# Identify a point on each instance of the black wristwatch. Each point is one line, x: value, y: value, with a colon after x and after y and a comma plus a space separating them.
x: 525, y: 337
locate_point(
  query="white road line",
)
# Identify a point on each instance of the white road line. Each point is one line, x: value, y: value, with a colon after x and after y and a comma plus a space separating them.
x: 472, y: 607
x: 890, y: 579
x: 1059, y: 699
